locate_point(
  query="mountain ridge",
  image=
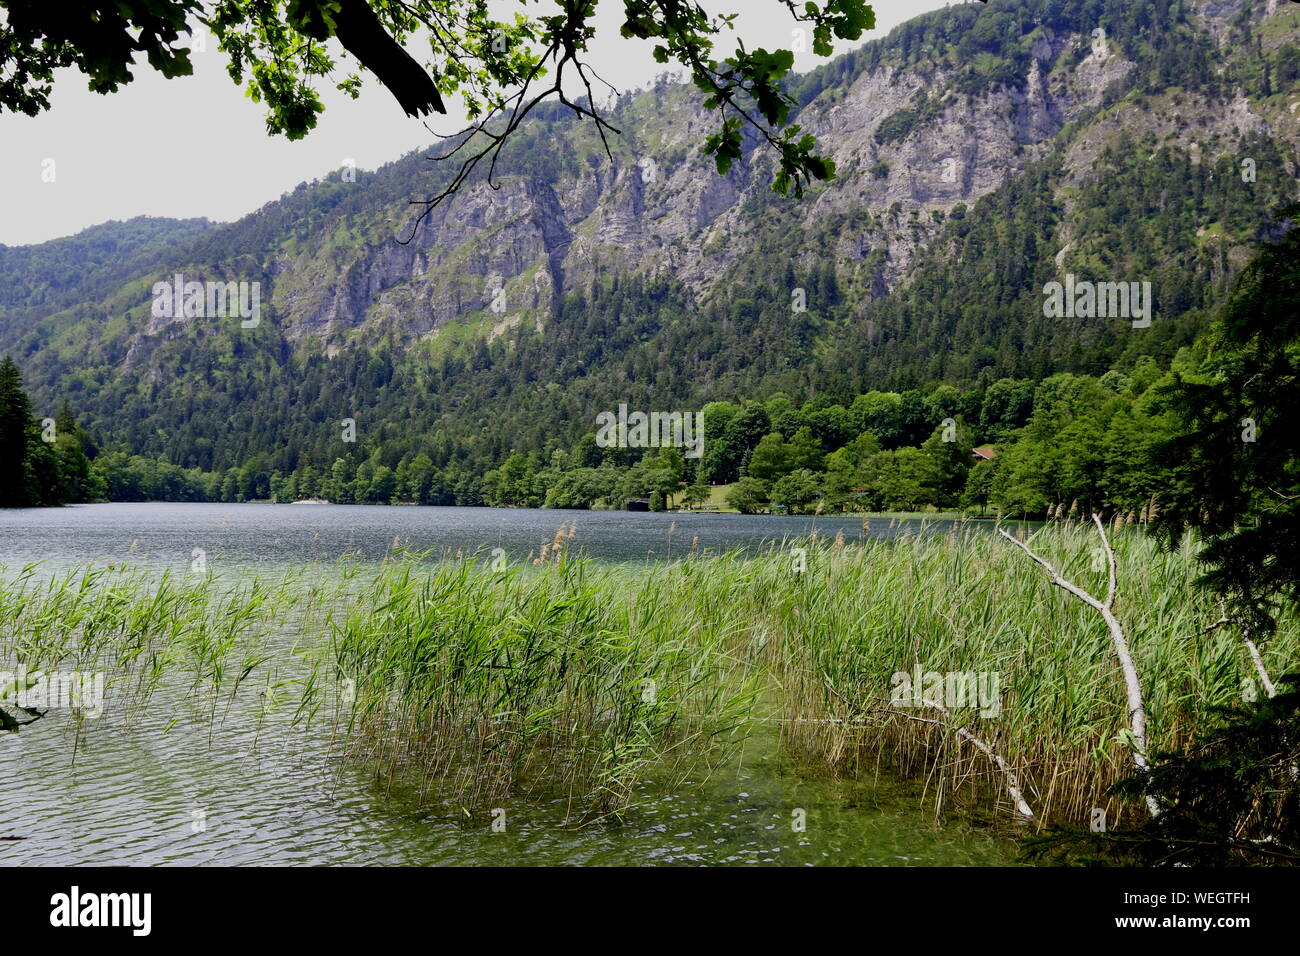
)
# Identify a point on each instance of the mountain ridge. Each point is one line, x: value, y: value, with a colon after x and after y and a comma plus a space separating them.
x: 1020, y: 107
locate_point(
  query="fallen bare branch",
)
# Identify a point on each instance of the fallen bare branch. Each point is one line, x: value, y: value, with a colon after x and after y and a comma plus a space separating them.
x: 1133, y: 688
x: 1013, y: 784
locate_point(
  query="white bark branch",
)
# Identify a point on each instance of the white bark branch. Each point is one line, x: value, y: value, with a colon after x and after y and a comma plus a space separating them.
x: 1258, y: 660
x: 1133, y: 688
x: 1013, y: 784
x: 1251, y: 648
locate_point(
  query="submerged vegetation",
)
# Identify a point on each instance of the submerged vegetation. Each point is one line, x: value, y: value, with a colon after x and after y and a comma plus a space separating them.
x: 469, y: 682
x: 484, y: 683
x: 1232, y: 797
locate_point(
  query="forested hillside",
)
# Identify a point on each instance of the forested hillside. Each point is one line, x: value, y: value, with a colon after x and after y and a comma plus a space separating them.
x: 983, y: 152
x: 37, y: 280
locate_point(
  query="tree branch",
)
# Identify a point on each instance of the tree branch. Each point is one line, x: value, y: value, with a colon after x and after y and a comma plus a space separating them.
x: 1013, y: 784
x: 1133, y: 688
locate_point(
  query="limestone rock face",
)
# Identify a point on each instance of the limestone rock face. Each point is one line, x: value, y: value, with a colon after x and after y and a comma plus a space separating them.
x: 909, y: 144
x: 500, y: 255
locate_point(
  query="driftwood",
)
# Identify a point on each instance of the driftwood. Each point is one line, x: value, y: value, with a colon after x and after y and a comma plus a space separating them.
x: 1132, y: 687
x: 1013, y: 784
x: 1269, y: 688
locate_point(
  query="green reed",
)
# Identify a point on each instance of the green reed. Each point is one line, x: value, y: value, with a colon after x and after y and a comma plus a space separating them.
x: 470, y: 685
x: 572, y: 679
x: 967, y: 601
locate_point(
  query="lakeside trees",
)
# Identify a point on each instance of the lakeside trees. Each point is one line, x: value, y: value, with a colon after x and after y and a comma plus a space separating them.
x: 44, y: 462
x: 1066, y: 445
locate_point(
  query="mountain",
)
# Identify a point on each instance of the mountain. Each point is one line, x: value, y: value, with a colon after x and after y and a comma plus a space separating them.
x: 38, y: 280
x: 983, y: 151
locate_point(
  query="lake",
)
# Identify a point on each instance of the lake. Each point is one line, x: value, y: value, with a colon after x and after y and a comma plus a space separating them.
x: 244, y: 534
x: 175, y: 787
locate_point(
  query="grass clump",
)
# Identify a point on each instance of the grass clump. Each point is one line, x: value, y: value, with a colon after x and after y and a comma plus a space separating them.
x: 483, y: 685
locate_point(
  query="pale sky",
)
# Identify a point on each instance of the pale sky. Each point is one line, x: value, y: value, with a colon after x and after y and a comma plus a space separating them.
x: 194, y: 146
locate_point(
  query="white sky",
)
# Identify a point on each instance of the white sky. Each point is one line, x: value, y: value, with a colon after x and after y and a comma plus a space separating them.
x: 194, y: 146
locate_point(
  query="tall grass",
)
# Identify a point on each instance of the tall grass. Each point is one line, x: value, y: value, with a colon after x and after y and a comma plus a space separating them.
x: 487, y: 685
x: 471, y: 685
x: 965, y: 601
x: 204, y: 634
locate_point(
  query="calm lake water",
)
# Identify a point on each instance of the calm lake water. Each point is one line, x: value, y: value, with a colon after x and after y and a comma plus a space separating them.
x: 231, y: 795
x: 174, y: 787
x: 165, y: 533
